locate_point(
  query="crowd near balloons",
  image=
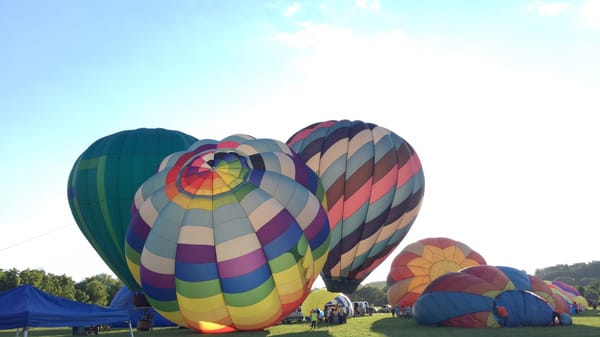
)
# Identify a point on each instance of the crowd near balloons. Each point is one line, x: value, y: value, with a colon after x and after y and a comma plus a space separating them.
x: 230, y: 235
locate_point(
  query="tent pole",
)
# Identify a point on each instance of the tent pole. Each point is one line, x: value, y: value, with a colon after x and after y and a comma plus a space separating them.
x: 17, y: 334
x: 130, y: 328
x: 25, y: 331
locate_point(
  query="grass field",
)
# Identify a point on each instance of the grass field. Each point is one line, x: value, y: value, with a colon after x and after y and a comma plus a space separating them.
x: 379, y: 325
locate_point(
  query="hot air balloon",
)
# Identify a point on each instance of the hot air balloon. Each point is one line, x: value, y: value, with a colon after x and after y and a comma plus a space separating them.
x: 469, y: 298
x: 103, y: 181
x: 374, y: 185
x: 423, y: 261
x: 321, y: 298
x: 229, y: 235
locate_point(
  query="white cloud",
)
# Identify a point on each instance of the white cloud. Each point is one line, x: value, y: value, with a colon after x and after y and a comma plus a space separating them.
x: 478, y: 122
x: 370, y: 4
x: 590, y: 13
x: 292, y: 9
x: 313, y: 35
x: 543, y: 8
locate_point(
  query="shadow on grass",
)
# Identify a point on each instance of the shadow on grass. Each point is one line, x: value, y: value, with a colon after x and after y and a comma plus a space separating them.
x: 393, y: 327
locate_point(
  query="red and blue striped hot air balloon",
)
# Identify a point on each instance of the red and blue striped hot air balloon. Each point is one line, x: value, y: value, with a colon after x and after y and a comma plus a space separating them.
x: 374, y: 185
x: 228, y: 235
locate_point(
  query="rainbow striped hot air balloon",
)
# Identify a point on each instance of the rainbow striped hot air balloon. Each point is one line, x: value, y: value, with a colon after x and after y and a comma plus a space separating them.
x: 103, y: 181
x: 374, y: 185
x: 229, y: 235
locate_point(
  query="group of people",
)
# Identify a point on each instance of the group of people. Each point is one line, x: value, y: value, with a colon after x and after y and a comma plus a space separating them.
x: 402, y: 311
x: 334, y: 314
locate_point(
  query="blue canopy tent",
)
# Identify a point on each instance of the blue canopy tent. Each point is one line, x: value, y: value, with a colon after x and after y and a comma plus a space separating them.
x: 26, y: 306
x: 124, y: 300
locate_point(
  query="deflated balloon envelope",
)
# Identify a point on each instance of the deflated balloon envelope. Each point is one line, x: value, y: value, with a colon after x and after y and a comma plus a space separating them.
x: 103, y: 181
x: 374, y: 185
x: 467, y: 299
x: 229, y: 235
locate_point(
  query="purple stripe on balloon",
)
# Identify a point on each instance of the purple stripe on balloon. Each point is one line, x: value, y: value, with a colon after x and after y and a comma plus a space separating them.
x: 188, y: 253
x: 156, y: 280
x: 316, y: 225
x: 139, y: 226
x: 242, y: 265
x: 274, y: 227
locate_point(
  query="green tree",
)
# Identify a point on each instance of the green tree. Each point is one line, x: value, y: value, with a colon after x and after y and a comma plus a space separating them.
x: 373, y: 295
x: 112, y: 285
x: 35, y: 277
x: 592, y: 291
x: 91, y: 290
x: 9, y: 279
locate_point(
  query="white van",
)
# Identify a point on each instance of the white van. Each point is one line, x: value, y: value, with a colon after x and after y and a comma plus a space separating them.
x: 361, y: 308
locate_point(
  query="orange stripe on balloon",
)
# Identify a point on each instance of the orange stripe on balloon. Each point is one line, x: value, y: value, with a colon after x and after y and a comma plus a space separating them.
x: 335, y: 213
x: 357, y: 200
x: 381, y: 187
x: 408, y: 170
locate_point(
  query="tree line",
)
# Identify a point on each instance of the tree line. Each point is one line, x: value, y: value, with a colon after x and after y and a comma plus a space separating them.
x: 99, y: 289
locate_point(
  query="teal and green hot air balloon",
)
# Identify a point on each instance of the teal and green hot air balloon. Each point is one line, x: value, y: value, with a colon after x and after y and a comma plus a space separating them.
x: 103, y: 181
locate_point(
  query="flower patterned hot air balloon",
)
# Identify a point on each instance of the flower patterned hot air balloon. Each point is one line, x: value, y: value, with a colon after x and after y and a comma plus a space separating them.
x: 423, y: 261
x: 103, y: 181
x: 229, y: 235
x: 374, y: 185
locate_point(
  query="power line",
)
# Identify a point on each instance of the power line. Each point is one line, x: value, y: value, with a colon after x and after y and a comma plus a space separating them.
x: 33, y: 238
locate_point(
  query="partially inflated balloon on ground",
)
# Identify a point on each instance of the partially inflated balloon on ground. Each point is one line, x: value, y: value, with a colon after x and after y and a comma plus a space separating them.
x: 103, y: 181
x: 469, y: 298
x: 229, y: 235
x: 320, y: 298
x: 374, y: 185
x: 423, y: 261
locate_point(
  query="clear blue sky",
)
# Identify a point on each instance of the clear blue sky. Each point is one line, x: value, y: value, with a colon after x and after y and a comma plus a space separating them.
x: 500, y: 99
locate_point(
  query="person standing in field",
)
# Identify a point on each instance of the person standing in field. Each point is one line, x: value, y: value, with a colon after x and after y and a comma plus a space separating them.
x: 313, y: 319
x: 503, y: 314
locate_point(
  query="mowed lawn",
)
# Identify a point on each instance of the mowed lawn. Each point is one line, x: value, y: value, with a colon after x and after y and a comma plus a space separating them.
x: 379, y: 325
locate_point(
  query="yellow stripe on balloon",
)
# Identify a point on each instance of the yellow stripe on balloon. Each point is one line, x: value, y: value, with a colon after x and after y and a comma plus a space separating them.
x: 134, y: 268
x: 246, y: 317
x: 289, y: 280
x: 174, y: 317
x: 201, y: 203
x: 211, y: 308
x: 182, y: 200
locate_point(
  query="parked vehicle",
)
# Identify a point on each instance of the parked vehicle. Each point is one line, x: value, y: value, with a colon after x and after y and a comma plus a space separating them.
x: 361, y: 308
x: 295, y: 316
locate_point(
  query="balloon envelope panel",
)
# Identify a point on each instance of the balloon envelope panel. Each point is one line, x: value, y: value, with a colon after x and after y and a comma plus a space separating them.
x: 103, y: 181
x: 421, y: 262
x: 229, y: 235
x: 374, y: 184
x: 524, y: 308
